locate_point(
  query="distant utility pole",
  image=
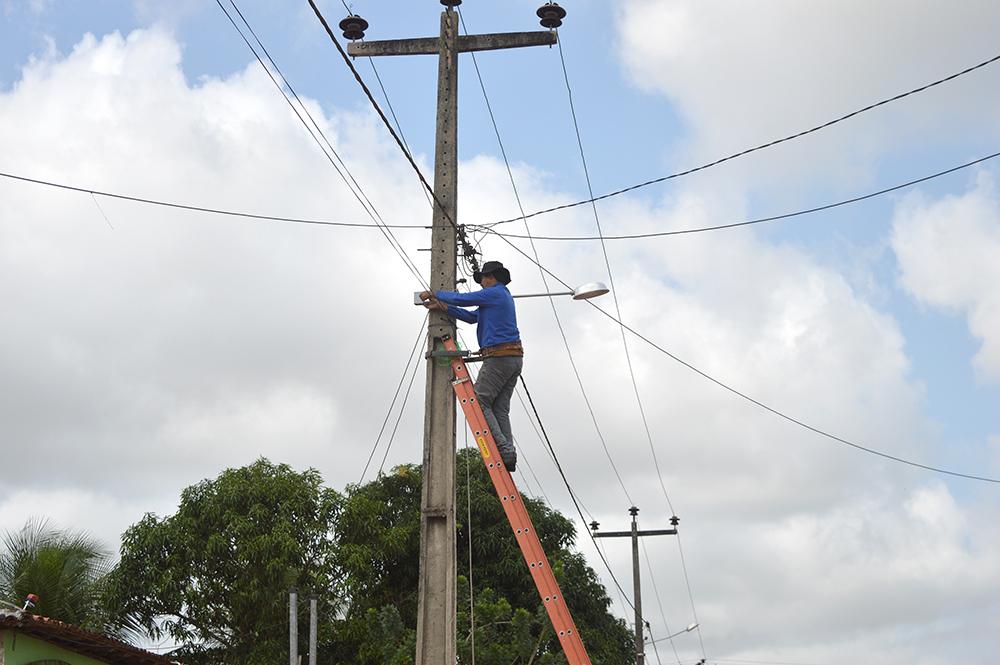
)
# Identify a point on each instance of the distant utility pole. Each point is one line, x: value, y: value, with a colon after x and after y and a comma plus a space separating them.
x: 293, y: 627
x: 635, y: 534
x: 438, y: 571
x: 313, y: 629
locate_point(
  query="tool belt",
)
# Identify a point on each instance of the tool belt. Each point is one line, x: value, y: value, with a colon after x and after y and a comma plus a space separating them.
x: 507, y: 349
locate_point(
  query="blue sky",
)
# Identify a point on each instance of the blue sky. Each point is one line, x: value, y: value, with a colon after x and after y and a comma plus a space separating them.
x: 875, y: 320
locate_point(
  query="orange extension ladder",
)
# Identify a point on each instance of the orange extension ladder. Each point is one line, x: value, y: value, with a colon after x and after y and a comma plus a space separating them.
x: 517, y: 514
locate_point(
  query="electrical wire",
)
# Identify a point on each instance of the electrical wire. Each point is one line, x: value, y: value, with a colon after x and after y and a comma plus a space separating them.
x: 538, y: 483
x: 198, y: 208
x: 762, y: 405
x: 618, y: 312
x: 468, y: 515
x: 101, y: 210
x: 392, y: 404
x: 517, y: 197
x: 399, y: 416
x: 659, y: 604
x: 687, y: 582
x: 589, y: 516
x: 572, y: 494
x: 759, y: 220
x: 656, y: 650
x: 392, y: 112
x: 543, y: 437
x: 762, y: 146
x: 483, y: 229
x: 611, y: 280
x: 399, y: 142
x: 555, y: 313
x: 338, y: 164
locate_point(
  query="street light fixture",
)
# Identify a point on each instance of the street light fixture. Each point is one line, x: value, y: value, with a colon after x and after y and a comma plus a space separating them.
x: 679, y: 632
x: 584, y: 292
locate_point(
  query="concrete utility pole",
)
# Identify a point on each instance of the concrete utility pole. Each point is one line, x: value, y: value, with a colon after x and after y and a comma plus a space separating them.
x: 313, y: 629
x: 293, y: 627
x: 438, y: 571
x: 635, y: 534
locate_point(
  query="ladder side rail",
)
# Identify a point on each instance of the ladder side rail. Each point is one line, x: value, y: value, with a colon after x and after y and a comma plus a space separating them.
x: 531, y: 549
x: 521, y: 524
x: 517, y: 515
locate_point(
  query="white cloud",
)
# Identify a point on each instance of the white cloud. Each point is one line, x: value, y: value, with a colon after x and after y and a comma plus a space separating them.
x: 147, y: 357
x: 89, y: 509
x: 34, y: 7
x: 740, y: 74
x: 871, y: 569
x: 947, y: 251
x: 122, y: 331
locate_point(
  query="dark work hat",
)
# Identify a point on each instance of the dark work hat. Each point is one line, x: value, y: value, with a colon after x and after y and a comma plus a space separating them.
x: 494, y: 268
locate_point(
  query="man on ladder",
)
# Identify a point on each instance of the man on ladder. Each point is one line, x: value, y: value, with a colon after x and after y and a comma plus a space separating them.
x: 499, y: 345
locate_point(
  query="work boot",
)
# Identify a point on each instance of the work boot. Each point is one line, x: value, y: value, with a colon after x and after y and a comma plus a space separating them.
x: 509, y: 458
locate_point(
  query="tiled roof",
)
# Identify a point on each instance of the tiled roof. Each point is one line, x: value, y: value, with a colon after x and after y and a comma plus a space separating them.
x: 72, y: 638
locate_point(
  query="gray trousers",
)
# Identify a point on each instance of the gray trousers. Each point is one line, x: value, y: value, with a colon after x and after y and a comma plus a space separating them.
x: 494, y: 388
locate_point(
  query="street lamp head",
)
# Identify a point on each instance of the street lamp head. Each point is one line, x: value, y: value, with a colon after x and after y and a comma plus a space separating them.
x: 690, y: 627
x: 591, y: 290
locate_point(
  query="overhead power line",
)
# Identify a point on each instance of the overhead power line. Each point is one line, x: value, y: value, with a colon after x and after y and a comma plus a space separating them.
x: 659, y: 604
x: 628, y: 355
x: 759, y: 220
x: 328, y: 150
x: 611, y: 279
x: 198, y: 208
x: 555, y: 312
x: 470, y: 257
x: 385, y: 421
x: 399, y: 415
x: 762, y: 146
x: 572, y: 494
x: 762, y: 405
x: 321, y: 222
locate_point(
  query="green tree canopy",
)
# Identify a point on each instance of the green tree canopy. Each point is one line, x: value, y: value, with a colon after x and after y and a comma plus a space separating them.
x: 66, y: 570
x: 379, y: 543
x: 216, y: 574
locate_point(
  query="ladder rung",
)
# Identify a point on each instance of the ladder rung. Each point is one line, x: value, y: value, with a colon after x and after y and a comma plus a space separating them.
x: 517, y: 515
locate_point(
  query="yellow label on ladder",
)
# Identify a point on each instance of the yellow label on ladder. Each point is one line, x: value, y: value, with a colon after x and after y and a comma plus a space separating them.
x: 482, y: 446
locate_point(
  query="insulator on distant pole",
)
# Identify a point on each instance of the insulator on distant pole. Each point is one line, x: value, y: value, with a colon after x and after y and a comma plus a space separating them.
x: 451, y: 3
x: 551, y: 15
x: 354, y: 27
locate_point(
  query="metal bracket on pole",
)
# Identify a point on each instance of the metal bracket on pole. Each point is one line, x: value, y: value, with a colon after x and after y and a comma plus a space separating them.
x: 461, y: 353
x: 437, y: 512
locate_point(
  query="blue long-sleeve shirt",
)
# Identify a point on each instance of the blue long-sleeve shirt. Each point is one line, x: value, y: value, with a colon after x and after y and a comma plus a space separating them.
x: 495, y: 316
